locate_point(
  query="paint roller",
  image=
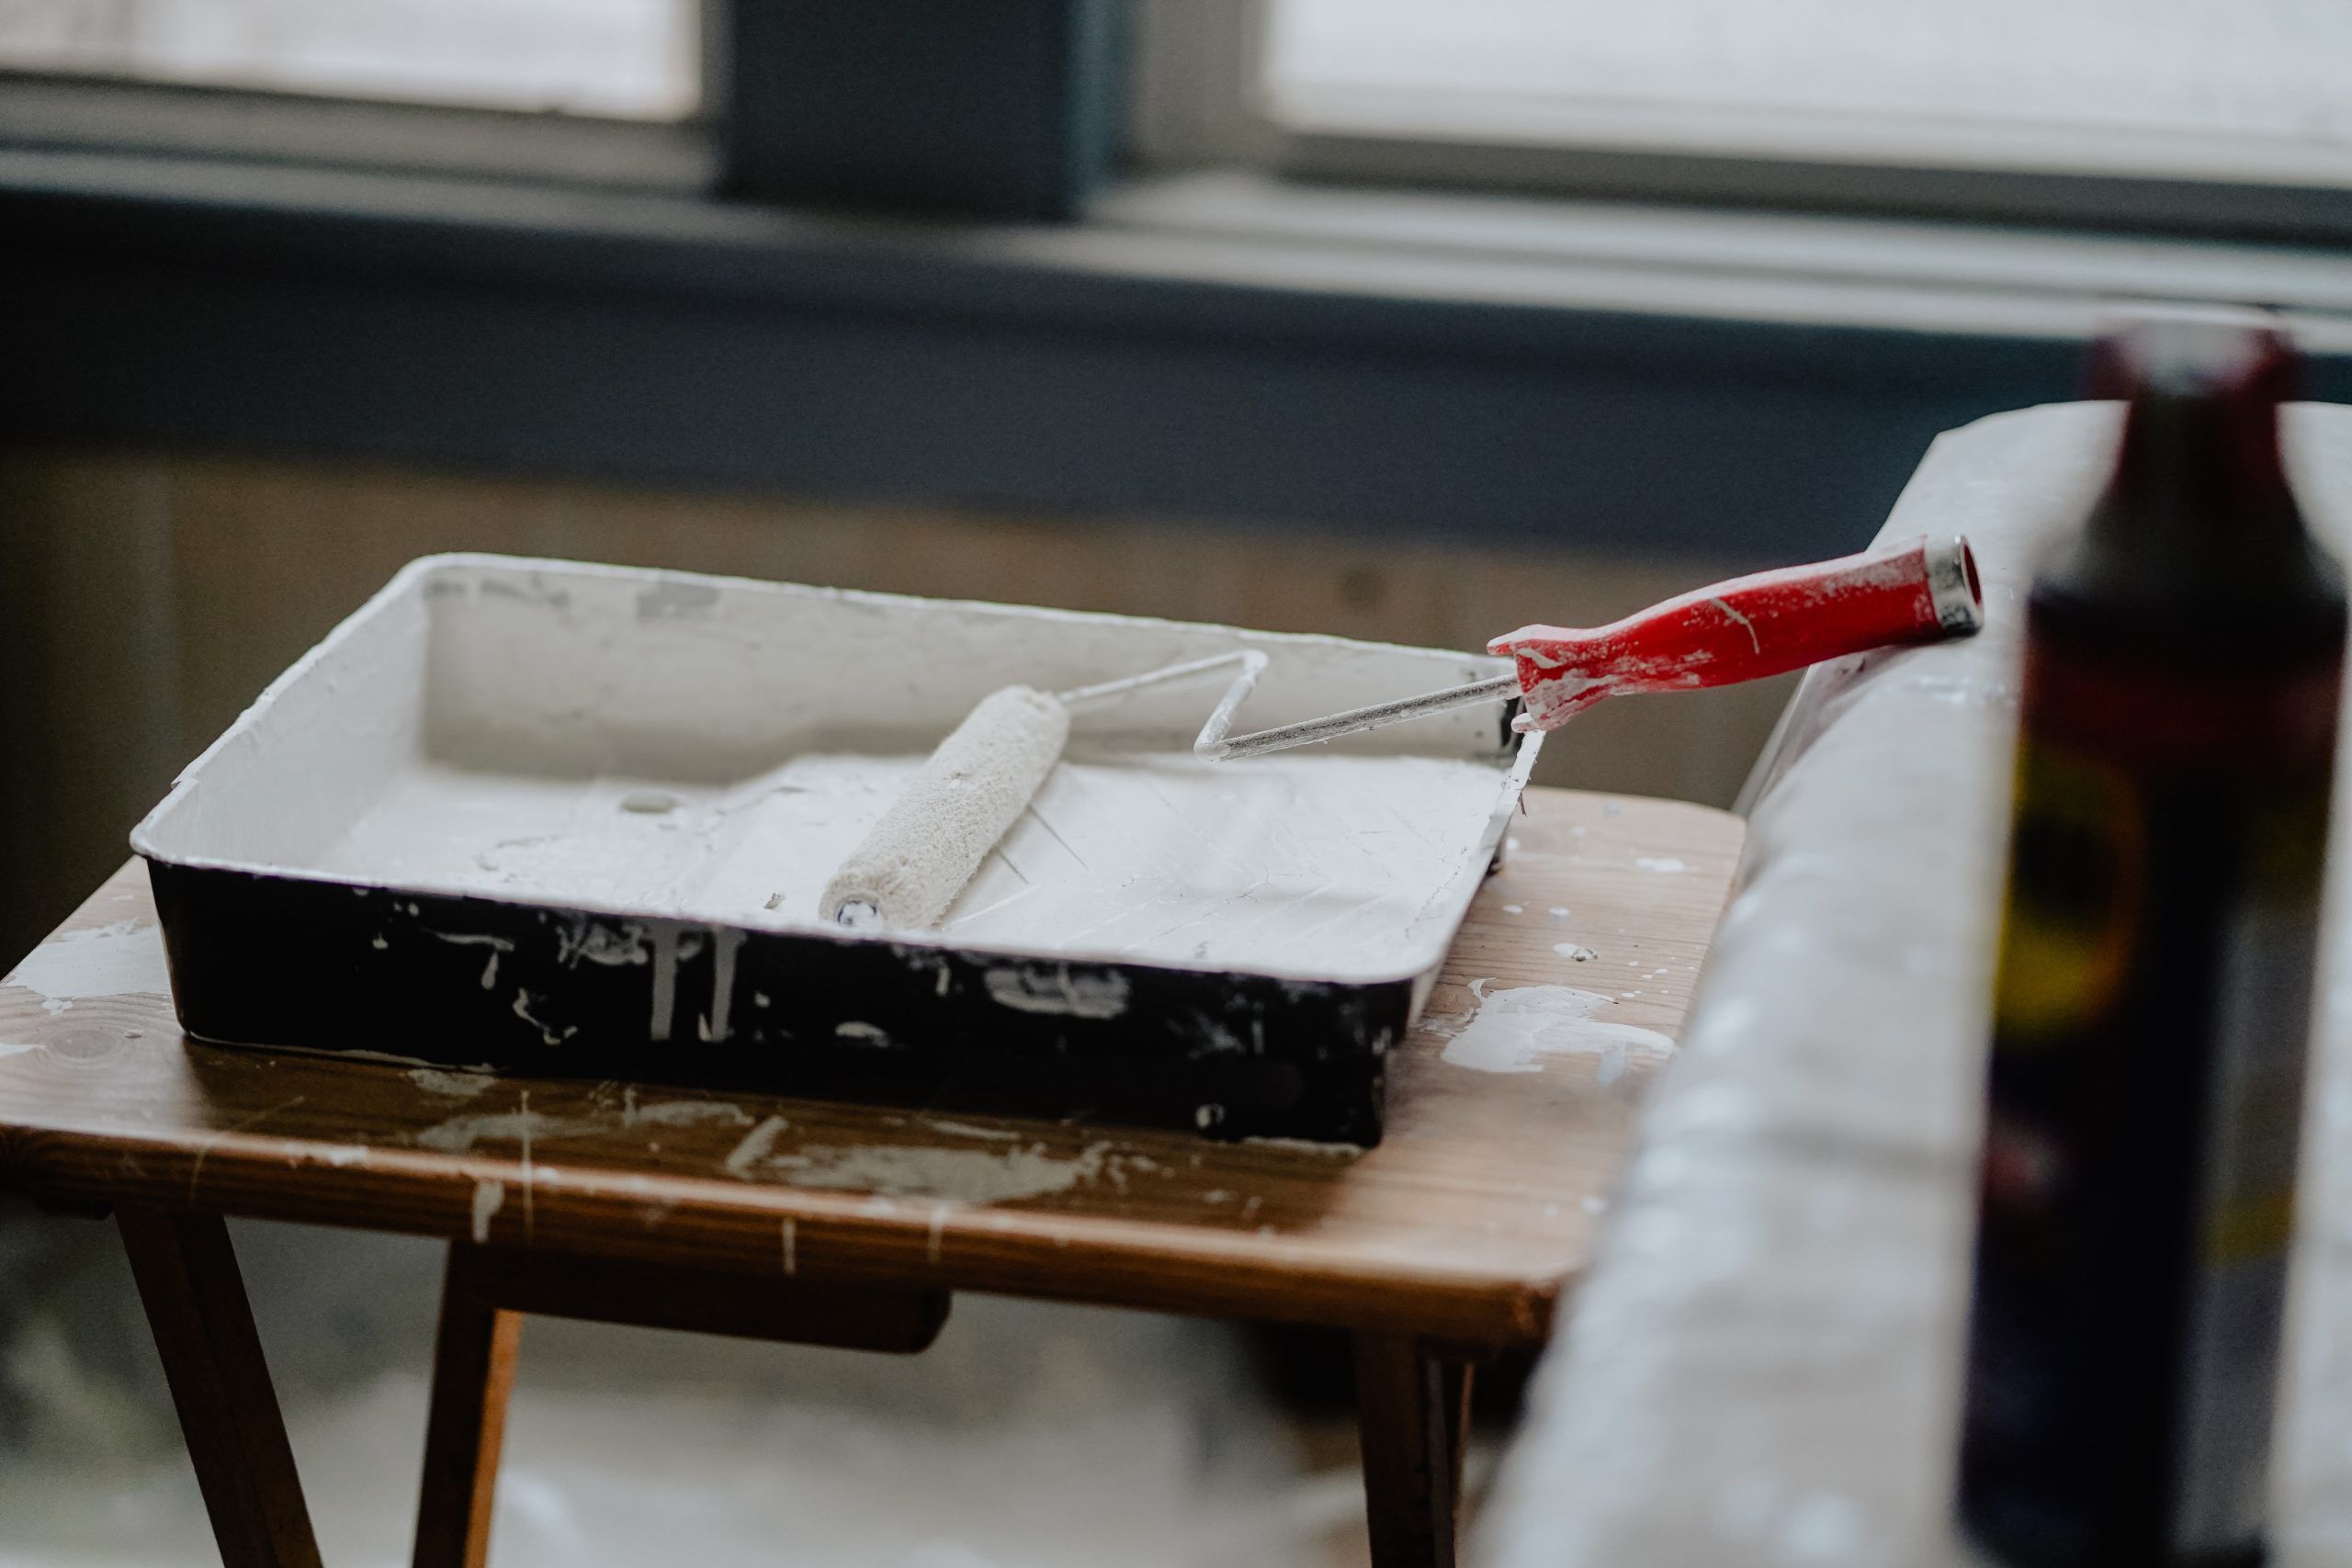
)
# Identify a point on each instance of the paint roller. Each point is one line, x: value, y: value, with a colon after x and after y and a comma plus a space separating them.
x: 911, y: 867
x: 911, y: 864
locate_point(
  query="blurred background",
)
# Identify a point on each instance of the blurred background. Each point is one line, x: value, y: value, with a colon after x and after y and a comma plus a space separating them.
x: 1402, y: 320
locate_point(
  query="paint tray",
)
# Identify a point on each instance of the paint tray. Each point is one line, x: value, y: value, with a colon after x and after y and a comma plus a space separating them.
x: 570, y: 819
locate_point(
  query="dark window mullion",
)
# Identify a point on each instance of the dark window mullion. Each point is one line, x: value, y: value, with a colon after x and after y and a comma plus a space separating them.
x: 988, y: 108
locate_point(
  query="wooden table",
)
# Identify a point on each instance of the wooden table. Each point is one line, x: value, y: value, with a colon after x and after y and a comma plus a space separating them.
x: 826, y: 1223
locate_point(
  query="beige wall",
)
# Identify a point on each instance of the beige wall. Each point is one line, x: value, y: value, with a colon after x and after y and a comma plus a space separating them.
x: 144, y: 599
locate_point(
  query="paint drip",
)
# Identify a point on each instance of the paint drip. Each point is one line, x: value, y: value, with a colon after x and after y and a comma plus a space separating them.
x: 122, y: 959
x: 1516, y: 1031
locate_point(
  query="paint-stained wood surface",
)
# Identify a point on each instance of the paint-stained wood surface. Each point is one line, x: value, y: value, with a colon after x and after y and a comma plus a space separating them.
x: 1463, y: 1227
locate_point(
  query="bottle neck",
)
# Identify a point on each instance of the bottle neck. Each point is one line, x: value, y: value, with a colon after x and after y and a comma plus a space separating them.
x: 2199, y: 470
x: 2196, y: 545
x: 2199, y: 510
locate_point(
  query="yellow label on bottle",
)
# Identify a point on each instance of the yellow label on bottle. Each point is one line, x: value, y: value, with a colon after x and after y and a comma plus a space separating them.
x: 2072, y: 910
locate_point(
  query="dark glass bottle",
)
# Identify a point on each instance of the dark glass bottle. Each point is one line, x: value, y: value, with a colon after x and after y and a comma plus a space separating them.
x: 2182, y: 655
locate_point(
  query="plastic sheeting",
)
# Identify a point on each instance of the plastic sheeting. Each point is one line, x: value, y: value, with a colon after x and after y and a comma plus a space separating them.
x: 1763, y: 1366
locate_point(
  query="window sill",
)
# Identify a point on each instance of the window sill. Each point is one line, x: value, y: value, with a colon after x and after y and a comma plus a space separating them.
x: 1214, y: 344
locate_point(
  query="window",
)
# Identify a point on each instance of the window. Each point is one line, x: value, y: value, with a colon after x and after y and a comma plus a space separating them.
x: 2240, y: 88
x: 2207, y: 116
x: 616, y: 58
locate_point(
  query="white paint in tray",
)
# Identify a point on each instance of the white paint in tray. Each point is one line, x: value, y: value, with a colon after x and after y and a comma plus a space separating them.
x: 1308, y: 863
x: 707, y: 751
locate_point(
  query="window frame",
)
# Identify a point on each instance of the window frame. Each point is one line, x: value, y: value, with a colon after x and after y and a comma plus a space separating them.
x: 2077, y: 179
x: 801, y: 101
x: 705, y: 13
x: 1257, y: 350
x: 108, y: 115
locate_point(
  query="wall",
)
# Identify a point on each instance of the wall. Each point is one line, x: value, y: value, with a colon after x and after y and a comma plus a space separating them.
x: 144, y: 598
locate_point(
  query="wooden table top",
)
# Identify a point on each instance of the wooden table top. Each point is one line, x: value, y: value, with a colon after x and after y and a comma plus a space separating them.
x: 1464, y: 1224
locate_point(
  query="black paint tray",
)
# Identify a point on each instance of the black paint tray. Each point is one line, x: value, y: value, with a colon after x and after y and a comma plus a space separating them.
x: 570, y: 819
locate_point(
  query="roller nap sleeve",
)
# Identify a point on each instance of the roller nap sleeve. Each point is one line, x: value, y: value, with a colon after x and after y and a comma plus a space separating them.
x: 913, y: 863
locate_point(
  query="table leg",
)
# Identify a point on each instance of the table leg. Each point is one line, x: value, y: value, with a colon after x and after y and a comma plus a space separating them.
x: 187, y: 1279
x: 1412, y: 1410
x: 473, y: 1370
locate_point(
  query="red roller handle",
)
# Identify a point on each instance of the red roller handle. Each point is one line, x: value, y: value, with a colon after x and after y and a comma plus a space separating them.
x: 1750, y: 627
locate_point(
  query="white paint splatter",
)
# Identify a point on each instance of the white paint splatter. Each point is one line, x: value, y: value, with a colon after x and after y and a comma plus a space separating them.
x: 1516, y: 1029
x: 1663, y: 864
x: 866, y: 1034
x: 122, y: 959
x: 604, y: 946
x: 723, y: 943
x: 548, y: 1034
x: 460, y: 1133
x: 1057, y: 991
x: 683, y: 1113
x: 1446, y: 1025
x: 497, y: 944
x: 1514, y: 908
x: 948, y: 1176
x: 1307, y: 1146
x: 457, y: 1086
x: 1574, y: 950
x: 9, y: 1048
x: 488, y: 1197
x: 665, y: 983
x: 966, y: 1130
x: 755, y: 1146
x: 1745, y: 625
